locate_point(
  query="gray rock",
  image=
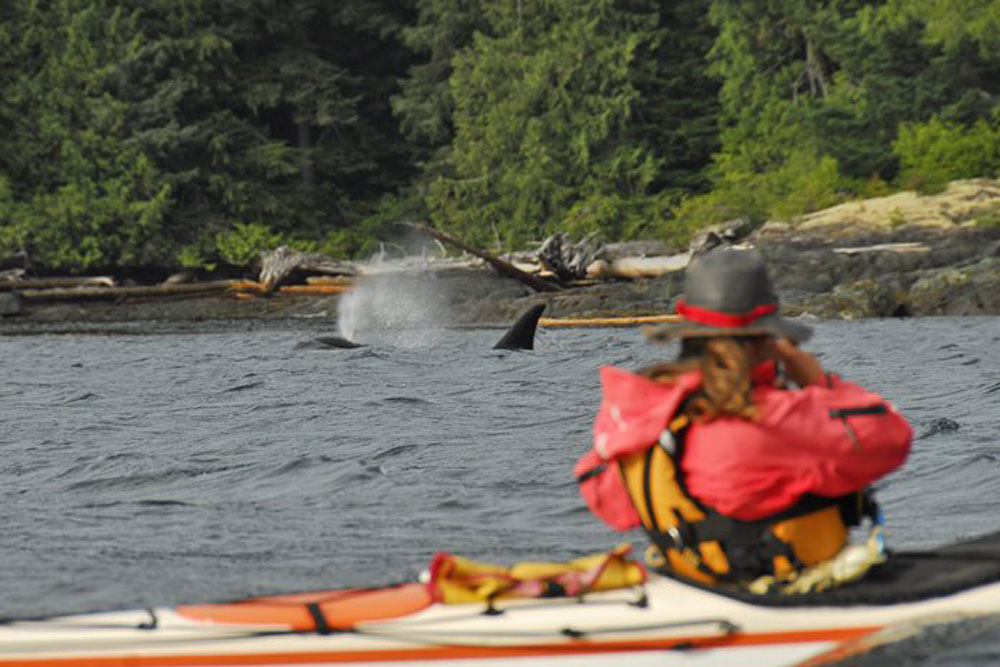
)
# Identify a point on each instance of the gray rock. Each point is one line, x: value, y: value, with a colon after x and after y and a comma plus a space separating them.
x: 969, y: 290
x: 774, y: 227
x: 861, y: 299
x: 959, y: 275
x: 10, y: 304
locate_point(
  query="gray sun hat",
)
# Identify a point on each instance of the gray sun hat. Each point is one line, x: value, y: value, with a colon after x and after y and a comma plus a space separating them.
x: 728, y: 293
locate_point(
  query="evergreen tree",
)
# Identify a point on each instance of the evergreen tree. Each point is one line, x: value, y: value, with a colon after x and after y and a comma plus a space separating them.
x: 155, y: 131
x: 144, y: 129
x: 677, y: 112
x: 424, y: 105
x: 952, y: 22
x: 273, y: 113
x: 79, y: 191
x: 542, y: 108
x: 814, y: 93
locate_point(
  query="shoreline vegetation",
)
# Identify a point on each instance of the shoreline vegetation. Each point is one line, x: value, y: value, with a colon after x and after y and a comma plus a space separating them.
x: 895, y: 256
x: 148, y: 139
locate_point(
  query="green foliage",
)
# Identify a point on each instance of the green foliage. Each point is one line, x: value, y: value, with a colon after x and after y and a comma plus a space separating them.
x: 364, y: 239
x: 803, y: 183
x: 990, y: 220
x: 11, y: 240
x: 140, y: 131
x: 424, y: 105
x: 559, y: 114
x: 950, y: 22
x: 938, y: 151
x: 677, y: 112
x: 149, y: 132
x: 241, y: 245
x: 255, y: 112
x: 80, y: 193
x: 614, y: 216
x: 192, y: 257
x: 896, y: 218
x: 541, y: 117
x: 874, y: 187
x: 844, y: 75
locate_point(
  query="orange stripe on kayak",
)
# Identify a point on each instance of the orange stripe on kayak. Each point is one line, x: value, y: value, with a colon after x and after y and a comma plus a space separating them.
x: 445, y: 652
x: 340, y: 609
x: 852, y: 648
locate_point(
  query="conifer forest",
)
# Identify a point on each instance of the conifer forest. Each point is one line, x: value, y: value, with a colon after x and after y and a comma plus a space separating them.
x: 194, y: 133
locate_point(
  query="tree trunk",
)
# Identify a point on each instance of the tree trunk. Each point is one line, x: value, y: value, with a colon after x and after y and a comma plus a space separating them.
x: 305, y: 148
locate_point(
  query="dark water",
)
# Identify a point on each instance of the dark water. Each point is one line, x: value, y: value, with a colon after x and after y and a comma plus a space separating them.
x: 157, y: 469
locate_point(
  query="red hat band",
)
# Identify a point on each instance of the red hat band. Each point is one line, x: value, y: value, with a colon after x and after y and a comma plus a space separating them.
x: 716, y: 318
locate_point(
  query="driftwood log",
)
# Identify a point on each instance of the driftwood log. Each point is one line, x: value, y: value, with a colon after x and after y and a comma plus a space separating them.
x: 903, y: 246
x: 723, y: 234
x: 638, y: 267
x: 278, y: 264
x: 83, y: 293
x: 607, y: 321
x: 239, y: 288
x: 566, y: 260
x: 330, y: 280
x: 252, y: 288
x: 502, y: 267
x: 52, y: 283
x: 11, y: 275
x: 717, y: 236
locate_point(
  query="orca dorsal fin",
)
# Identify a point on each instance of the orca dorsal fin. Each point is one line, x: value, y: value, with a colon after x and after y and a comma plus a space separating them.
x: 521, y: 334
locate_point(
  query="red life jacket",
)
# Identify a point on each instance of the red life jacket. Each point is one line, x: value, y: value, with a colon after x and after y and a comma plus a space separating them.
x: 807, y: 448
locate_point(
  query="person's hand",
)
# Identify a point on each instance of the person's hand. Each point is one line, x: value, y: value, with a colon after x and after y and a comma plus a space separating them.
x: 801, y: 367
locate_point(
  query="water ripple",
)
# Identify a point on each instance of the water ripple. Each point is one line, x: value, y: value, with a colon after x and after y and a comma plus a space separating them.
x: 244, y: 387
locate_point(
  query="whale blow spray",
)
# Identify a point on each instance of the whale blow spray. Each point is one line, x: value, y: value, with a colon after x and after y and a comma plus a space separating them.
x: 402, y: 309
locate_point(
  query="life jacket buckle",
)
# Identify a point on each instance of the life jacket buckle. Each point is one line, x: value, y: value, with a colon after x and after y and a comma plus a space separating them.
x: 676, y: 536
x: 668, y: 442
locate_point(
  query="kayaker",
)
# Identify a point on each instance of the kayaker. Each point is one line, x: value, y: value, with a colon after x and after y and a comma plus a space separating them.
x: 744, y: 458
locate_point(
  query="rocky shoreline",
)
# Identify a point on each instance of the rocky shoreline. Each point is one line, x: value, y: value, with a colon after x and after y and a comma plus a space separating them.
x: 897, y: 256
x: 904, y: 272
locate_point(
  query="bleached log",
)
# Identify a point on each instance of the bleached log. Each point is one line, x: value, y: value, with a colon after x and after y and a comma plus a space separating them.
x: 885, y: 247
x: 84, y: 293
x: 278, y: 264
x: 534, y: 268
x: 49, y: 283
x: 638, y: 267
x: 11, y: 275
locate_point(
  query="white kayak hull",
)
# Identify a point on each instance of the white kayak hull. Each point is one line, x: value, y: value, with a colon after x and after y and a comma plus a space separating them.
x: 664, y: 622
